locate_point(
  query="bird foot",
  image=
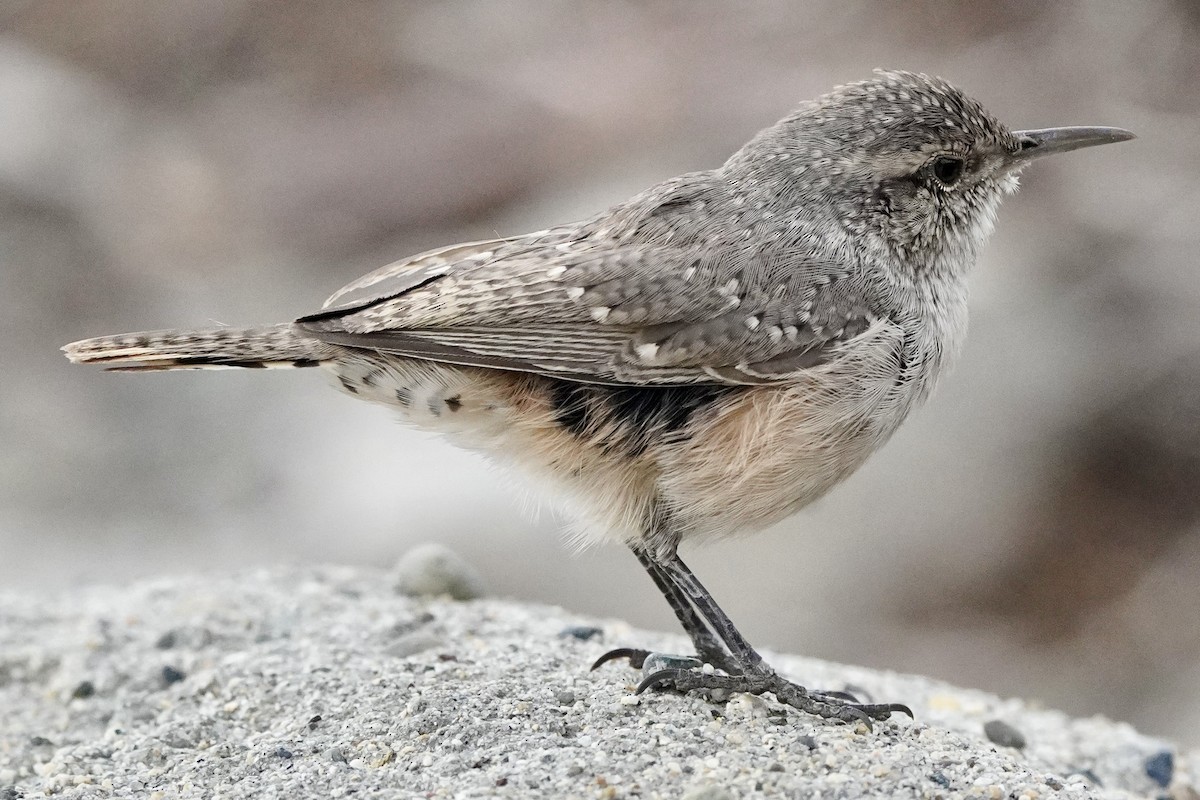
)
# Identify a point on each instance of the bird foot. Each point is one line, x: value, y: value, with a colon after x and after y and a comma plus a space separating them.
x: 835, y: 705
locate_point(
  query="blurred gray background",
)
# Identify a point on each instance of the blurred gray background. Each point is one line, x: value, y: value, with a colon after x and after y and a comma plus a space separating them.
x: 1032, y: 531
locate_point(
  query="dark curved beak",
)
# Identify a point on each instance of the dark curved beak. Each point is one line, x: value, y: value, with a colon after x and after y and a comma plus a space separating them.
x: 1048, y: 141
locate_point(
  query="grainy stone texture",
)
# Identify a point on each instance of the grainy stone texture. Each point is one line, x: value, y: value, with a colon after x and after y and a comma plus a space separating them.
x: 328, y: 683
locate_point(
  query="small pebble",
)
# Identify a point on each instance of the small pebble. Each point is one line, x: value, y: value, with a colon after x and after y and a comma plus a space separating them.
x: 565, y: 698
x: 170, y: 675
x: 1161, y: 767
x: 1001, y: 733
x: 585, y: 633
x: 433, y: 570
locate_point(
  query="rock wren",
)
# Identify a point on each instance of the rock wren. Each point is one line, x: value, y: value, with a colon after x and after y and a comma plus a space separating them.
x: 701, y: 360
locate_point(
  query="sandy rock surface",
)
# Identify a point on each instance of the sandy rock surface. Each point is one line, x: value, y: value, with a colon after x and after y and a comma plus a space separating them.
x: 331, y: 683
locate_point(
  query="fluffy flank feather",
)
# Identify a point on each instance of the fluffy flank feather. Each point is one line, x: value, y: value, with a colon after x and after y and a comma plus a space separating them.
x: 216, y: 348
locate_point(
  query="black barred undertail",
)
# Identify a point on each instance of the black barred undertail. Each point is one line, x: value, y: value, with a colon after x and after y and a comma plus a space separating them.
x: 632, y: 419
x: 216, y: 348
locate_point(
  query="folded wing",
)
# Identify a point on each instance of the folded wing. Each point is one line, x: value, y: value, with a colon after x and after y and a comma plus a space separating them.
x: 655, y: 297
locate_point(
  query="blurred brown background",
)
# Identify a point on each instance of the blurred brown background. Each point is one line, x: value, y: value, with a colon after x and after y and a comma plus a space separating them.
x: 1032, y: 531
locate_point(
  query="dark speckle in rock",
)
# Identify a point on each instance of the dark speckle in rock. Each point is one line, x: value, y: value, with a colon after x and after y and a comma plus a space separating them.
x: 84, y: 690
x: 940, y: 779
x: 808, y: 741
x: 170, y: 675
x: 1161, y: 767
x: 283, y: 752
x: 585, y: 633
x: 1001, y: 733
x: 167, y: 640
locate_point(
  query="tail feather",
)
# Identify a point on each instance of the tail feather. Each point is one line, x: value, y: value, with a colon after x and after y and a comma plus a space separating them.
x: 216, y: 348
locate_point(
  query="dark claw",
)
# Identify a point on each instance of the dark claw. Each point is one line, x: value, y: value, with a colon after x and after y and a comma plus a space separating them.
x: 637, y: 657
x: 661, y: 677
x: 857, y: 715
x: 899, y: 708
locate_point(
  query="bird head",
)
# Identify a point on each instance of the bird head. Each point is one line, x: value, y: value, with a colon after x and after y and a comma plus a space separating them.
x: 906, y: 162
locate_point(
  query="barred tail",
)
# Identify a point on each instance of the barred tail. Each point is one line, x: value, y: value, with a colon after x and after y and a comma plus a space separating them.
x: 217, y: 348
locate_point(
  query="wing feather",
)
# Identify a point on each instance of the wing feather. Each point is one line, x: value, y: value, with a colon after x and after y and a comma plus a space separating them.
x: 407, y: 274
x: 651, y: 293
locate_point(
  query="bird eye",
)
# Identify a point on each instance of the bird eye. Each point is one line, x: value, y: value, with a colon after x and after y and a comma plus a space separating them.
x: 947, y: 169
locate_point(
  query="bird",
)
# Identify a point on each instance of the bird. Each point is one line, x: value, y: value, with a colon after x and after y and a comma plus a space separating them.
x: 697, y: 362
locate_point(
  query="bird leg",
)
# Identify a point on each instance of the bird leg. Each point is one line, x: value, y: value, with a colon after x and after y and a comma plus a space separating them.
x: 745, y: 670
x: 709, y: 649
